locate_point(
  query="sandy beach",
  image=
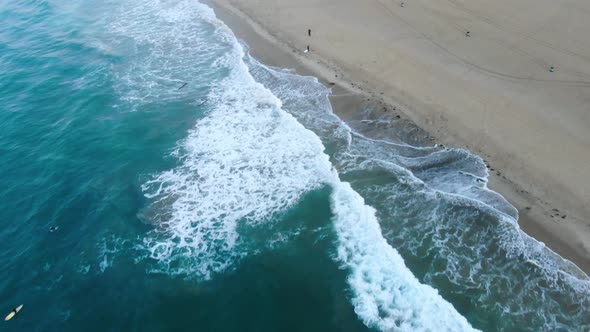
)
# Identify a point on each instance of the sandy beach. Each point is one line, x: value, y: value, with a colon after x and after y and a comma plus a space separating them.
x: 476, y: 75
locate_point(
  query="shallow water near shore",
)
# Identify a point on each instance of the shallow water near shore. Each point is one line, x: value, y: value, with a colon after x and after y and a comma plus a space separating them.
x: 238, y: 201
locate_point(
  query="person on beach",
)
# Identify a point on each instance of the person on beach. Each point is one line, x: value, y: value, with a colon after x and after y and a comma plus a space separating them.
x: 309, y: 32
x: 306, y: 49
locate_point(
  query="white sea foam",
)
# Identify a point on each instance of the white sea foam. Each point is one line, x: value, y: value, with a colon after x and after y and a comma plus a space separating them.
x: 244, y: 162
x: 385, y: 293
x: 167, y: 44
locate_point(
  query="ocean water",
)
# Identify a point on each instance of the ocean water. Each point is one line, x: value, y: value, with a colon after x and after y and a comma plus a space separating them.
x: 236, y: 202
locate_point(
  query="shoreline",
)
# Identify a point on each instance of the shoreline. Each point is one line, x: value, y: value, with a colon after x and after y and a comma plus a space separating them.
x: 352, y: 89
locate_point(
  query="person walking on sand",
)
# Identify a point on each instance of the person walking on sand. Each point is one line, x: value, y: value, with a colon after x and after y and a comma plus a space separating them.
x: 309, y: 32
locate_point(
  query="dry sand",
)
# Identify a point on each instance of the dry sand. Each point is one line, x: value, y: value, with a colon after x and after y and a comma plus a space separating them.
x: 491, y: 92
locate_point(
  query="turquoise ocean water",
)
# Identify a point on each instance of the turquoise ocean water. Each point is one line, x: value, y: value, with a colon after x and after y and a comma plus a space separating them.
x: 238, y: 202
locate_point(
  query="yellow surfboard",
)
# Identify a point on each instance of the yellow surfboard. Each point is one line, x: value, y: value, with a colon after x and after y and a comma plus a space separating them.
x: 13, y: 312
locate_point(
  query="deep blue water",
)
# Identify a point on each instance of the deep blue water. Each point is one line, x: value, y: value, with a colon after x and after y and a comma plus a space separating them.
x: 217, y: 207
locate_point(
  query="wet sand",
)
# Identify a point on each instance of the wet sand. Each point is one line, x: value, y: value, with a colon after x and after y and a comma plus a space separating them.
x: 491, y: 92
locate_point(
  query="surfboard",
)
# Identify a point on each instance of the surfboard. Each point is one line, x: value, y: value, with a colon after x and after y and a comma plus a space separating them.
x: 13, y: 312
